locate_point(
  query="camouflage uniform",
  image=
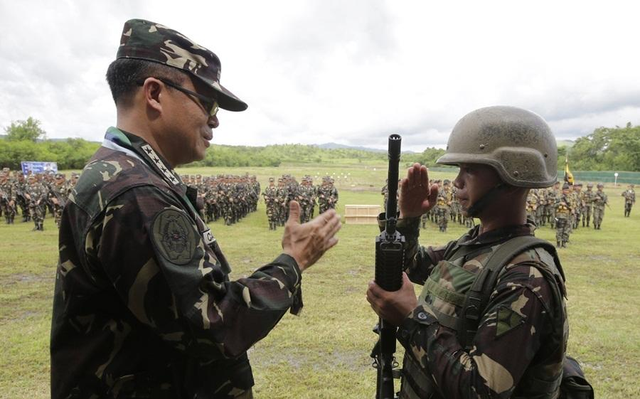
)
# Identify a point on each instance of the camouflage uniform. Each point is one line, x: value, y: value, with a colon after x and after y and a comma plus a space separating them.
x: 600, y: 199
x: 58, y: 196
x: 143, y: 303
x: 564, y: 218
x: 629, y: 199
x: 520, y: 342
x: 532, y: 206
x: 7, y: 199
x: 522, y: 334
x: 270, y: 200
x: 589, y: 197
x: 36, y: 196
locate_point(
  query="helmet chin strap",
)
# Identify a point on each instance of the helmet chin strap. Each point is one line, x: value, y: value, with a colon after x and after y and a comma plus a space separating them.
x: 475, y: 209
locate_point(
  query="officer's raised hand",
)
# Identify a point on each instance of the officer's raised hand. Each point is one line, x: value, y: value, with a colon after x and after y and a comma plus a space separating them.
x: 307, y: 242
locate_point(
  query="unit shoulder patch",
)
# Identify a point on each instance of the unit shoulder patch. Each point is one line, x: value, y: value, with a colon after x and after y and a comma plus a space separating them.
x: 174, y: 236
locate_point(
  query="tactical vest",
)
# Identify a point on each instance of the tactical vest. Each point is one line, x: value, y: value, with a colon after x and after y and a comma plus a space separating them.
x: 458, y: 297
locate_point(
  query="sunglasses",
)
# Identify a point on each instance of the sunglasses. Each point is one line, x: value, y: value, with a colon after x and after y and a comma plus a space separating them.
x: 210, y: 105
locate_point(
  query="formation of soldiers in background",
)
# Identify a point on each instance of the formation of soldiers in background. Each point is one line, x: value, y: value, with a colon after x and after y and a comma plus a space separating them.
x: 277, y: 198
x: 231, y: 198
x: 226, y: 197
x: 564, y: 209
x: 34, y: 195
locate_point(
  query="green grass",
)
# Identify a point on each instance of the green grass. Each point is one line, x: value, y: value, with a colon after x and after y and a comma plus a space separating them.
x: 324, y: 353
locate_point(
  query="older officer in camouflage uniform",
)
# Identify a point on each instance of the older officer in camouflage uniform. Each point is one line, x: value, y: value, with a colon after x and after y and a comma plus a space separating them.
x: 143, y: 303
x: 519, y: 346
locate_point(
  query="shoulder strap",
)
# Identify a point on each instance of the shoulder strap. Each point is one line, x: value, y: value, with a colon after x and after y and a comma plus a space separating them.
x: 478, y: 296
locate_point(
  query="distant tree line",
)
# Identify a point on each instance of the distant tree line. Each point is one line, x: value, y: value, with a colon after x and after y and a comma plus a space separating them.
x: 608, y: 149
x: 605, y: 149
x: 24, y: 142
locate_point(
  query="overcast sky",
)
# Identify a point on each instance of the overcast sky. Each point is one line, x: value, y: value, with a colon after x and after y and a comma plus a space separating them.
x: 350, y: 72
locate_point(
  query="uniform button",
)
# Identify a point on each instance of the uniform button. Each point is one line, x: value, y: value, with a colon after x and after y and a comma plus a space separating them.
x: 422, y: 316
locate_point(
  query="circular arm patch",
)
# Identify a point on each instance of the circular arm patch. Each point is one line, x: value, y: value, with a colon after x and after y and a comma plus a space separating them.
x: 174, y: 236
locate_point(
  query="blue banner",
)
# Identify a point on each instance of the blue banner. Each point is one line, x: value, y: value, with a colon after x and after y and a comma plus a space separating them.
x: 35, y: 168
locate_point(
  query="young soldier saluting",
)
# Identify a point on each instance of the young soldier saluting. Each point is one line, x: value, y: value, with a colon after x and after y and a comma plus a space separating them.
x: 517, y: 347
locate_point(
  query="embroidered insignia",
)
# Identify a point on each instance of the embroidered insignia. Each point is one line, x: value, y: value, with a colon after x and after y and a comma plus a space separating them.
x: 160, y: 165
x: 174, y: 236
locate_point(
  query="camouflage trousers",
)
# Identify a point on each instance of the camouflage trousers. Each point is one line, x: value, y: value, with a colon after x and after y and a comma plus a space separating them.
x: 563, y: 230
x: 586, y: 216
x: 37, y: 215
x: 9, y: 212
x: 443, y: 218
x: 598, y: 215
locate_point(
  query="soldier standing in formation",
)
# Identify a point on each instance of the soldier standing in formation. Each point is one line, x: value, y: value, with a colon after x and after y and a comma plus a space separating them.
x: 600, y: 200
x: 7, y: 197
x: 589, y: 197
x: 629, y: 199
x: 306, y: 196
x: 58, y: 194
x: 270, y: 200
x: 443, y: 205
x: 327, y: 195
x: 563, y: 216
x: 33, y: 195
x: 36, y: 196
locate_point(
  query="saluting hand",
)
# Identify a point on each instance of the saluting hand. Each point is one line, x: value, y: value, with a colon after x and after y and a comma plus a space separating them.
x: 416, y: 197
x: 307, y: 242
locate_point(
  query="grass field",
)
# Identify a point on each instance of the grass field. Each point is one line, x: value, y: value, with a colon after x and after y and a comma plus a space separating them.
x: 324, y: 353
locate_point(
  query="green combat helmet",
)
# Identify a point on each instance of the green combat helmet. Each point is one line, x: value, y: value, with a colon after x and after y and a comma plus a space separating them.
x: 517, y: 143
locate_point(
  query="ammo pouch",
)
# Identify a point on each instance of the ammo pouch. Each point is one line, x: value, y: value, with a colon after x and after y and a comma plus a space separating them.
x: 574, y: 385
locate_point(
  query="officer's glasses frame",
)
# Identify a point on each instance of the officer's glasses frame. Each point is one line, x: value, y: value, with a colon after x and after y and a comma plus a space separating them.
x: 209, y: 104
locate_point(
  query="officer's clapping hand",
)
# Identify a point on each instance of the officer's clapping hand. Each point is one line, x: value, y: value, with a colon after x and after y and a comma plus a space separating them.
x: 307, y: 242
x: 416, y: 197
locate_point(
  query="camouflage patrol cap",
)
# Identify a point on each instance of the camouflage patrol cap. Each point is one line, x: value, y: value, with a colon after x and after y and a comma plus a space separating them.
x: 149, y: 41
x: 600, y: 185
x: 565, y: 186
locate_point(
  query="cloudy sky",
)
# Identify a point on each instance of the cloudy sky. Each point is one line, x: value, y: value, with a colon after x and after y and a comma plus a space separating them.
x: 344, y: 71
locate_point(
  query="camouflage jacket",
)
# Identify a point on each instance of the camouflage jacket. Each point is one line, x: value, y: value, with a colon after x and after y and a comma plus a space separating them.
x: 522, y: 334
x: 143, y: 305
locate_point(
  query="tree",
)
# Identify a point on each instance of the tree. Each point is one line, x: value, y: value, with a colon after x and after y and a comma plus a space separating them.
x: 28, y: 130
x: 608, y: 149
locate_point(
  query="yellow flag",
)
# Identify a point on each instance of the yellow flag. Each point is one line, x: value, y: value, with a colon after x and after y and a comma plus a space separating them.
x: 568, y: 177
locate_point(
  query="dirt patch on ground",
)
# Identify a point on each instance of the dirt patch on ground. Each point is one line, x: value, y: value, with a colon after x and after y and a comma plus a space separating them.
x: 348, y: 360
x: 24, y: 278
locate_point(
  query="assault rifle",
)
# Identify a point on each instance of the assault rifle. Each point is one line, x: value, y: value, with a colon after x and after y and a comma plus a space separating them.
x: 388, y: 275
